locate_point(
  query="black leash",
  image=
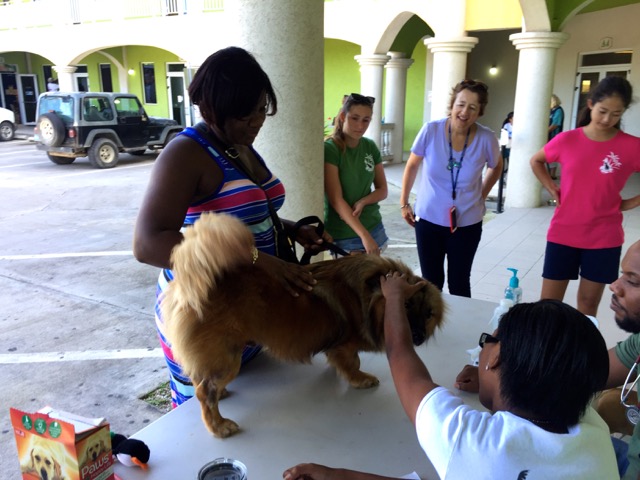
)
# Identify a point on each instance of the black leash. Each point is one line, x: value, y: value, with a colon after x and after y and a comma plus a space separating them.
x: 231, y: 156
x: 312, y: 220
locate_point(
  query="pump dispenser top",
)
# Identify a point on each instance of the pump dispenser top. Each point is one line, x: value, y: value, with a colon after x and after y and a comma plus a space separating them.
x: 513, y: 291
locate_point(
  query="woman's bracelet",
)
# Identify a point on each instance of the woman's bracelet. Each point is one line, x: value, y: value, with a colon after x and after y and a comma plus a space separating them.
x: 254, y: 255
x: 405, y: 206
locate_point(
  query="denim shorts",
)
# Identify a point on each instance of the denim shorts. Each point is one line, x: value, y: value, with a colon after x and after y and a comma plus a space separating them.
x: 600, y: 265
x: 355, y: 244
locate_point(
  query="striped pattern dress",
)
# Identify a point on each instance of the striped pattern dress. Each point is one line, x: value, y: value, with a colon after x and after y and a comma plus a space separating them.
x: 236, y: 196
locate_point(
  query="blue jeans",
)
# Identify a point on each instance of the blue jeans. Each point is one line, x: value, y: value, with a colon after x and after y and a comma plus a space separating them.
x: 621, y: 448
x: 355, y: 244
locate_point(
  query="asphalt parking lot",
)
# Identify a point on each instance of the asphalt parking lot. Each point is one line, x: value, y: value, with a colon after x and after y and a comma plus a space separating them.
x: 76, y: 326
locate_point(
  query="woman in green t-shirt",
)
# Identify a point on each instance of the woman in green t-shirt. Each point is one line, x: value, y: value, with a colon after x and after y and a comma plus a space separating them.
x: 352, y: 165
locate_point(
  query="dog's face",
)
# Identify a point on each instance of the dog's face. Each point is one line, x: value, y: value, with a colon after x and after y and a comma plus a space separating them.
x: 424, y: 311
x: 425, y: 308
x: 44, y: 464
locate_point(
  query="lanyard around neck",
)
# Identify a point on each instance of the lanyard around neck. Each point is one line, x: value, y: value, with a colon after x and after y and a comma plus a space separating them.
x: 452, y: 163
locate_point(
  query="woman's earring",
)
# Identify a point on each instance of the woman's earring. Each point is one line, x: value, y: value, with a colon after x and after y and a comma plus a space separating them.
x: 486, y: 367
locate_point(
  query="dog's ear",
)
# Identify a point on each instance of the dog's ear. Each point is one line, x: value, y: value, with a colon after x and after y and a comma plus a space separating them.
x: 416, y: 287
x: 26, y: 464
x: 57, y: 469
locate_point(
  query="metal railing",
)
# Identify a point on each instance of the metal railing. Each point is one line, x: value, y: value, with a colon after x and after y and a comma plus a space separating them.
x: 386, y: 142
x: 18, y: 14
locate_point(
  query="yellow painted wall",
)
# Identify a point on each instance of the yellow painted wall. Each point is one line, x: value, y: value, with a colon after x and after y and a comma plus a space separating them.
x: 493, y: 14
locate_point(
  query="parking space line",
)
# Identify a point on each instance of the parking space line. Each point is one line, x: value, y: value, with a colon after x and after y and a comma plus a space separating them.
x: 120, y: 253
x: 13, y: 153
x: 79, y: 356
x: 22, y: 165
x: 119, y: 168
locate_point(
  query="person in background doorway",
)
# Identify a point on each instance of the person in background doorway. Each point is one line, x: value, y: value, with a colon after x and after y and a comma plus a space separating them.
x: 556, y: 117
x: 52, y: 85
x: 506, y: 133
x: 149, y: 86
x: 556, y: 122
x: 352, y: 166
x: 585, y: 236
x: 452, y: 191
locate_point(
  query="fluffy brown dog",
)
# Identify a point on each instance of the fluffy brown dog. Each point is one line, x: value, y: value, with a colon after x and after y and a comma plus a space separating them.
x: 219, y: 301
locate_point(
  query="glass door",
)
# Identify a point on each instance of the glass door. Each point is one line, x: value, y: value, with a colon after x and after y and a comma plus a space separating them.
x: 28, y: 88
x: 593, y: 68
x: 177, y: 94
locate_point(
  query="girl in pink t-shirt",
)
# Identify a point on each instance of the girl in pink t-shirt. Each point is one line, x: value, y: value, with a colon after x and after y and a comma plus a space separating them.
x: 585, y: 235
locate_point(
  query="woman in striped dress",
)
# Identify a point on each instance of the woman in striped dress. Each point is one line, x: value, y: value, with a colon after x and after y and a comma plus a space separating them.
x: 202, y: 170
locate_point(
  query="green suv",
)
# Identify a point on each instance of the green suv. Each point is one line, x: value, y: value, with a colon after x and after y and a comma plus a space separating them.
x: 97, y: 125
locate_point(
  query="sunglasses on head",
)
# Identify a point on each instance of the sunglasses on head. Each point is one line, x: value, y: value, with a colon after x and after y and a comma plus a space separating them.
x: 361, y: 99
x: 471, y: 84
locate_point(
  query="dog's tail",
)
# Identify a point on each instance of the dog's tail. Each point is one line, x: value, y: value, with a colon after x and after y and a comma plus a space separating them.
x: 216, y: 243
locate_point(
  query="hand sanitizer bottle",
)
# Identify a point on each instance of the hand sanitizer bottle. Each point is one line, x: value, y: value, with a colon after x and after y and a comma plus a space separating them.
x: 513, y: 292
x: 502, y: 308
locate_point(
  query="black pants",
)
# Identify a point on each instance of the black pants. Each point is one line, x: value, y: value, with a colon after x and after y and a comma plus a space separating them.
x: 436, y: 242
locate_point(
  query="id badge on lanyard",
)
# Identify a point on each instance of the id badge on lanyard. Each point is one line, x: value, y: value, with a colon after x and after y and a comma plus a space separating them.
x: 453, y: 219
x: 451, y: 165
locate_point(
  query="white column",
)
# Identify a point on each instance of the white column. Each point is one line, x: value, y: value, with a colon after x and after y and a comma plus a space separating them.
x: 394, y: 99
x: 65, y: 77
x: 449, y: 68
x: 531, y: 112
x: 371, y: 71
x: 428, y: 85
x: 287, y: 39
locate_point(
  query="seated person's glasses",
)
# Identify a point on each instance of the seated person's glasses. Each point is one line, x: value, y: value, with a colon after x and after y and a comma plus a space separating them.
x: 487, y: 338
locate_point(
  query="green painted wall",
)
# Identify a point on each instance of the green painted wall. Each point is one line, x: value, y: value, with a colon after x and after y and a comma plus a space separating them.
x: 410, y: 35
x: 23, y: 60
x: 341, y: 74
x: 559, y: 10
x: 414, y: 112
x: 136, y: 55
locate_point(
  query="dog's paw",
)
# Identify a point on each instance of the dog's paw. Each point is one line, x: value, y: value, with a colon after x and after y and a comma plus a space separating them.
x: 364, y: 380
x: 224, y: 429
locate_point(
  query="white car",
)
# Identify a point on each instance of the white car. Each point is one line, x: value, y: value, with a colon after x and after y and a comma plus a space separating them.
x: 7, y: 125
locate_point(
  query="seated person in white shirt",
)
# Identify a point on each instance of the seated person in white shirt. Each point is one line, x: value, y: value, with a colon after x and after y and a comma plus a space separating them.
x: 537, y: 374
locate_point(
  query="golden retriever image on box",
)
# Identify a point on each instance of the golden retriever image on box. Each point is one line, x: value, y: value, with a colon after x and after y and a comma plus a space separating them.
x: 93, y: 448
x: 219, y: 301
x: 44, y: 459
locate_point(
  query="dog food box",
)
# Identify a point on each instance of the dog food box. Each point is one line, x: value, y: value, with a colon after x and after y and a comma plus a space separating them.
x: 57, y: 445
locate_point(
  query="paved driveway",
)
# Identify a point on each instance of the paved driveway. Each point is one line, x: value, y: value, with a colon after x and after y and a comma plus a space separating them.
x: 76, y: 324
